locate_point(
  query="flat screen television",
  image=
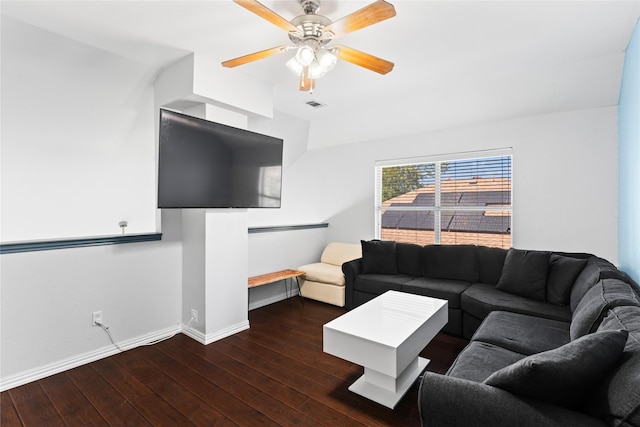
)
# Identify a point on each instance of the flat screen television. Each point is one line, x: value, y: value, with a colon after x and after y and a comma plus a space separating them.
x: 203, y: 164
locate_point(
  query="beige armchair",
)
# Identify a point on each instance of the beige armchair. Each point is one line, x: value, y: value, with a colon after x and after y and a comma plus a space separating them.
x: 324, y: 281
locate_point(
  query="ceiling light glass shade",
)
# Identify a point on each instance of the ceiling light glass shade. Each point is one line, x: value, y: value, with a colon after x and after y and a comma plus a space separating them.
x: 323, y: 62
x: 295, y: 66
x: 305, y: 55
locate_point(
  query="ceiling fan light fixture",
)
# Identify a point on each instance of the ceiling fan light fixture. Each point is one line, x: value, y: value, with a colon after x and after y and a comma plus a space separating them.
x: 324, y: 62
x: 294, y: 66
x: 327, y: 59
x: 305, y: 55
x: 310, y: 33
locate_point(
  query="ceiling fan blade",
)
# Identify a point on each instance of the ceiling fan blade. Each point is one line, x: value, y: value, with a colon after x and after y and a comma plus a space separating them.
x: 255, y: 56
x: 362, y: 59
x: 266, y: 13
x: 368, y: 15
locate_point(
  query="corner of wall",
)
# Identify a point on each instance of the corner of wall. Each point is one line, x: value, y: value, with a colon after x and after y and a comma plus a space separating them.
x: 628, y: 160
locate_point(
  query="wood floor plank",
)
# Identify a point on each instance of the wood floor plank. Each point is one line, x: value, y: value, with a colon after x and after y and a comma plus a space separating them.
x: 273, y: 374
x: 329, y: 390
x: 186, y: 376
x: 195, y: 359
x: 237, y: 410
x: 122, y: 380
x: 34, y: 406
x: 282, y: 413
x: 8, y: 414
x: 225, y: 354
x: 324, y: 415
x: 142, y: 398
x: 113, y: 407
x: 70, y: 402
x: 180, y: 398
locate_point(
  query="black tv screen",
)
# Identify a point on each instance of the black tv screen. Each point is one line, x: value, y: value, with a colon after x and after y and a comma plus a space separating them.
x: 202, y: 164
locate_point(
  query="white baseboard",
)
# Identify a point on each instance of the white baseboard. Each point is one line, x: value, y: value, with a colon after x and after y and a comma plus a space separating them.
x: 218, y: 335
x: 82, y: 359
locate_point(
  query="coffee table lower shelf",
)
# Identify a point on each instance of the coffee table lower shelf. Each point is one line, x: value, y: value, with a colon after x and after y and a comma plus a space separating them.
x: 388, y: 394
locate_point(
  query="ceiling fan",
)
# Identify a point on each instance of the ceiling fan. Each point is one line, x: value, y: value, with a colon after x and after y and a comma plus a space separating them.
x: 311, y: 33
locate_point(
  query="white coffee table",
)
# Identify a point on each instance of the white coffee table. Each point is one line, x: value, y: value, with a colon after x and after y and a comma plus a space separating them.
x: 385, y: 335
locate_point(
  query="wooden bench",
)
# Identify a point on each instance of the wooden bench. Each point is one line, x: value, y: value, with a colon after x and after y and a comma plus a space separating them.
x: 265, y: 279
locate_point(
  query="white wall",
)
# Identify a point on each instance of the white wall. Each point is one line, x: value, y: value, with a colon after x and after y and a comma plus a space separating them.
x: 294, y: 132
x: 564, y: 178
x: 77, y: 139
x: 279, y: 250
x: 48, y: 297
x: 78, y: 156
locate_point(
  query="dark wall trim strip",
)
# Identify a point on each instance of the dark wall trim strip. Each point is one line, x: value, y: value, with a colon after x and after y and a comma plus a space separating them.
x: 12, y: 248
x: 47, y: 245
x: 287, y: 228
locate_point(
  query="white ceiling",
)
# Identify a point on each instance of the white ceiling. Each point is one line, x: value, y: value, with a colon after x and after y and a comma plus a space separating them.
x: 456, y: 63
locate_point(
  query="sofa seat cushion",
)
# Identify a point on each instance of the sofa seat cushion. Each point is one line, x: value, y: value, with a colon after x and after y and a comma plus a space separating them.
x: 479, y: 360
x: 522, y: 333
x: 480, y: 299
x: 606, y: 294
x: 323, y: 273
x: 437, y: 288
x: 380, y: 283
x: 617, y: 399
x: 566, y: 375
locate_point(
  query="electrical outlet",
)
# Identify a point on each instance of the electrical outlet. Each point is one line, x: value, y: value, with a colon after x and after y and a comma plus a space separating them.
x: 194, y: 315
x: 96, y: 318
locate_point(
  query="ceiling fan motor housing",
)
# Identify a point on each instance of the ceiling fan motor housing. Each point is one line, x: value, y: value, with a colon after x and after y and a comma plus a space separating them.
x: 309, y: 6
x: 311, y: 28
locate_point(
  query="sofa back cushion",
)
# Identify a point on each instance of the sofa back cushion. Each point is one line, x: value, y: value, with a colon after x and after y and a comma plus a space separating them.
x: 379, y: 257
x: 456, y: 262
x: 606, y: 294
x: 525, y: 273
x: 617, y: 399
x: 408, y: 259
x: 563, y: 272
x: 490, y: 263
x: 596, y: 269
x: 337, y: 253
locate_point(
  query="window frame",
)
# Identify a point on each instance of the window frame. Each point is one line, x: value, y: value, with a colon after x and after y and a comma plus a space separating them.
x: 437, y: 209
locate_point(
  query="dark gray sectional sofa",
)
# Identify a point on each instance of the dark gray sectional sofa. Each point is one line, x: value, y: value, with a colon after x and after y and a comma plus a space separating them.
x: 467, y: 276
x: 554, y: 337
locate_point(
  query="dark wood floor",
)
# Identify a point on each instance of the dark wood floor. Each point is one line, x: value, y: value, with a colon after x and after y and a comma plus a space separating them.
x: 275, y: 373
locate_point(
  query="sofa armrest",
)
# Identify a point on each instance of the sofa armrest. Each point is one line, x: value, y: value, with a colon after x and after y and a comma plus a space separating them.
x: 350, y: 269
x: 449, y: 401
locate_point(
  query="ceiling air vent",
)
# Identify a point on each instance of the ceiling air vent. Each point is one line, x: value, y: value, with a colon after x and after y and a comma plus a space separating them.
x: 315, y: 104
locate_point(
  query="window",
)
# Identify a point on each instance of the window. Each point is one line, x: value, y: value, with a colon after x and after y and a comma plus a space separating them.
x: 450, y: 200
